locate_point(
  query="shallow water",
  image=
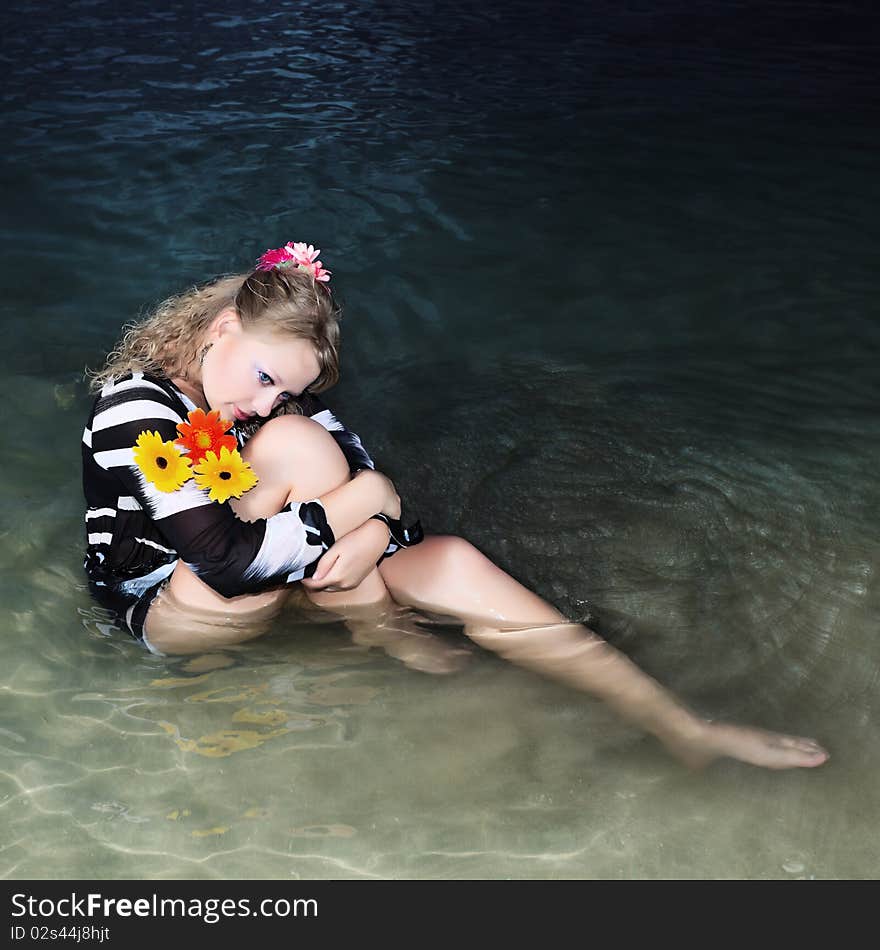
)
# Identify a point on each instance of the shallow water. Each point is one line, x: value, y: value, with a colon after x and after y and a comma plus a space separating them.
x: 610, y: 314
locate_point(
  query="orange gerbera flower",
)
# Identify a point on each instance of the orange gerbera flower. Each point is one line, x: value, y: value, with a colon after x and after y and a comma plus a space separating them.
x: 205, y: 432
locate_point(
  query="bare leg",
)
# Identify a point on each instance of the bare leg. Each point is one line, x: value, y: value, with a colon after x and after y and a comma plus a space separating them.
x: 297, y: 460
x: 449, y: 575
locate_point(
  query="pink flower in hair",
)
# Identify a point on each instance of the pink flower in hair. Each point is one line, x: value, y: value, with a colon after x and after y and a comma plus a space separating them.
x: 304, y: 253
x: 316, y: 268
x: 275, y: 258
x: 304, y: 256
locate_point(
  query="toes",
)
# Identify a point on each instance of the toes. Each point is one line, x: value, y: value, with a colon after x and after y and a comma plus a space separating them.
x: 802, y: 744
x: 801, y: 752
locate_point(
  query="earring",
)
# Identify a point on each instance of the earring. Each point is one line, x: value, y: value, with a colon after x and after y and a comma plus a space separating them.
x: 204, y: 353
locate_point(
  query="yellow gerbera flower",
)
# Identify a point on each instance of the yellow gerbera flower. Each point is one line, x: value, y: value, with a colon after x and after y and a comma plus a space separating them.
x: 161, y: 462
x: 228, y: 476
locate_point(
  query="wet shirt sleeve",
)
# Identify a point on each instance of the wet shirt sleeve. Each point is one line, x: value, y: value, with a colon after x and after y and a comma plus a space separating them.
x: 356, y: 455
x: 230, y: 555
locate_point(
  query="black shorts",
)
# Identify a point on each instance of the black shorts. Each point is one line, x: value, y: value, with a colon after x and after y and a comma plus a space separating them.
x: 130, y: 609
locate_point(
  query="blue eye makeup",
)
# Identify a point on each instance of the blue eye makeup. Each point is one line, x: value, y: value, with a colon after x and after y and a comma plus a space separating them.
x: 267, y: 380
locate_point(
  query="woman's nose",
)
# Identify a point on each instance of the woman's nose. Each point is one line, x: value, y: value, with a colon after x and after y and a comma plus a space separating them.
x: 263, y: 405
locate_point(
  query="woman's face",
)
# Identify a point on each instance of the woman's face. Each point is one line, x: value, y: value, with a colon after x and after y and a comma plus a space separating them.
x: 248, y: 373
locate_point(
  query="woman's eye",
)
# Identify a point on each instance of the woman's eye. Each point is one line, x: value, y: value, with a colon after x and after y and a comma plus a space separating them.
x: 265, y: 378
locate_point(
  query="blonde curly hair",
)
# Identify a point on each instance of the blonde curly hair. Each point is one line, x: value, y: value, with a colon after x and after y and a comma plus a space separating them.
x: 283, y: 300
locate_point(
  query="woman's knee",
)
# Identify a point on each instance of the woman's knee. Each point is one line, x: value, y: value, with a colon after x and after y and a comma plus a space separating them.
x: 301, y: 450
x: 458, y: 554
x: 291, y: 433
x: 438, y: 560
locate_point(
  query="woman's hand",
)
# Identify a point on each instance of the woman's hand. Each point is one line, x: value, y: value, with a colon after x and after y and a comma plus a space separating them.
x: 345, y: 565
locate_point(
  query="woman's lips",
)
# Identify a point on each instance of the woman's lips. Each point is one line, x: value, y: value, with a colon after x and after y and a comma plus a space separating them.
x: 241, y: 416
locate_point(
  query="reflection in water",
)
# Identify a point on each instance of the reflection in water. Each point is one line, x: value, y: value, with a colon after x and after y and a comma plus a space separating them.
x: 404, y: 634
x: 263, y: 711
x: 400, y: 632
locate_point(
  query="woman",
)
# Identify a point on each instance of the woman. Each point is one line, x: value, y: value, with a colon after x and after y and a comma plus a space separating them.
x: 199, y: 548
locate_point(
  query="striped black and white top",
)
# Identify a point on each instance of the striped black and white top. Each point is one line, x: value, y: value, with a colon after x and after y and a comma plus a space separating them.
x: 136, y: 533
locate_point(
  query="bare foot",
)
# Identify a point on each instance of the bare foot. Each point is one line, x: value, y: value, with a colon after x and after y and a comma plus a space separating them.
x: 417, y: 649
x: 769, y: 750
x: 429, y: 656
x: 206, y: 662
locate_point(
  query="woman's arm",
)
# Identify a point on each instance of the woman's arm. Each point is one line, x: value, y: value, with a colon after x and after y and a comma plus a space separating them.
x: 357, y: 552
x: 355, y: 502
x: 230, y: 555
x: 351, y: 560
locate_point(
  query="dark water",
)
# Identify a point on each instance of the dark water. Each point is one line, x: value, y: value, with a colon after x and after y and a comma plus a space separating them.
x: 611, y: 313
